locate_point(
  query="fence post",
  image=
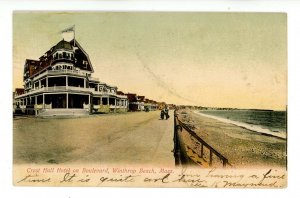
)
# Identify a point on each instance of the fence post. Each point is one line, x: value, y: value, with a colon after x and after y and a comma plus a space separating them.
x: 201, y: 154
x: 210, y: 158
x: 176, y: 150
x: 224, y: 162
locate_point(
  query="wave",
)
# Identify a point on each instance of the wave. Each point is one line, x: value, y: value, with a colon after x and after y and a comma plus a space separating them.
x: 255, y: 128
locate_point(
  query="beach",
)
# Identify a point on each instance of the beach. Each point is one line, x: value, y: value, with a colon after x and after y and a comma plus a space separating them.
x: 242, y: 147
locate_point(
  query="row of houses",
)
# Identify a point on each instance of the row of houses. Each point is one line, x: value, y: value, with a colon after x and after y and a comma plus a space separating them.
x: 61, y: 82
x: 140, y: 103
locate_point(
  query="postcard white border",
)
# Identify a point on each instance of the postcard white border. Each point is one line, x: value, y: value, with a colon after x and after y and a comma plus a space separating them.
x: 6, y: 9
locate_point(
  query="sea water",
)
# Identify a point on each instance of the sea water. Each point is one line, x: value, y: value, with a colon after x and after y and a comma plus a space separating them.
x: 261, y: 121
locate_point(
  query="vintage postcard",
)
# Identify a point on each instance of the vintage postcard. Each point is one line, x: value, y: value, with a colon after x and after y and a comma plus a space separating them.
x: 150, y: 99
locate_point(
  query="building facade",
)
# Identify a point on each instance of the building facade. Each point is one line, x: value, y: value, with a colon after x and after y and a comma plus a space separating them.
x: 60, y: 82
x: 140, y: 103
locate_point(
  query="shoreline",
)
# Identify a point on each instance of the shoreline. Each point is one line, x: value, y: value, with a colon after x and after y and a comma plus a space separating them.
x: 253, y: 128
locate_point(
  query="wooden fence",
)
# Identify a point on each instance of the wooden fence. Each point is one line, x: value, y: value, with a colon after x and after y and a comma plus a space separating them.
x: 180, y: 152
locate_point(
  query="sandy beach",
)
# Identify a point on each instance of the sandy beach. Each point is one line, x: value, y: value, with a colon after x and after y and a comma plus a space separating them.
x: 242, y: 147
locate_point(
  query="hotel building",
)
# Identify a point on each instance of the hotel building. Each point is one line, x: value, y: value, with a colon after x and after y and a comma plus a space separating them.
x: 60, y: 82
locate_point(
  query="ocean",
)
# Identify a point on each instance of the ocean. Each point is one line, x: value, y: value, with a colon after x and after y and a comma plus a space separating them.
x: 261, y: 121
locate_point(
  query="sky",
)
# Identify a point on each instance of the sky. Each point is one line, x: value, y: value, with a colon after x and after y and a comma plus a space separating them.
x: 236, y: 60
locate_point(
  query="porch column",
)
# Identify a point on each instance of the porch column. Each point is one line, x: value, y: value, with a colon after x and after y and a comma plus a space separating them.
x: 67, y: 100
x: 115, y: 105
x: 43, y: 101
x: 84, y: 83
x: 39, y: 84
x: 66, y: 82
x: 47, y: 82
x: 35, y: 106
x: 100, y: 100
x: 90, y: 104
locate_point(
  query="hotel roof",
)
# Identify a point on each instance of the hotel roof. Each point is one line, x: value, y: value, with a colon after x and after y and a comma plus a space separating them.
x: 63, y: 45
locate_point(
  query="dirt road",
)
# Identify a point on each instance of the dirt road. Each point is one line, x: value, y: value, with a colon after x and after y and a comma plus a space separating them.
x: 138, y: 138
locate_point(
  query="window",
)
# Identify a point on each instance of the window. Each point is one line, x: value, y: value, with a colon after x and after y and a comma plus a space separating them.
x: 64, y: 55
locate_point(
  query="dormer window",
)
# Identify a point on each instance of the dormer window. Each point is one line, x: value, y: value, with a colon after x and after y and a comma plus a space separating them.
x: 55, y: 56
x: 85, y: 63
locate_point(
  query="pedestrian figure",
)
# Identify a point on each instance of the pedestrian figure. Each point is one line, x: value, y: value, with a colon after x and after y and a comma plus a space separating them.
x: 166, y: 110
x: 162, y: 114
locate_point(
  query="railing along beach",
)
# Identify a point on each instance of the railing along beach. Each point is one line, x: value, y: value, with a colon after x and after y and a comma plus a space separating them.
x: 180, y: 153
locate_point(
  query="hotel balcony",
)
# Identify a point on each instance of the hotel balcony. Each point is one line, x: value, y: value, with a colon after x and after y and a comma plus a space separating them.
x: 103, y: 93
x: 57, y: 88
x: 64, y: 71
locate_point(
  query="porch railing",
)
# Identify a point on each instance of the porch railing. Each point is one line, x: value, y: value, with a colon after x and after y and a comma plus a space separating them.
x: 64, y: 71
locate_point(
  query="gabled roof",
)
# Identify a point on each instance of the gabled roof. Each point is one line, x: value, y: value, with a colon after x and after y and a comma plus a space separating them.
x: 63, y: 45
x: 30, y: 61
x: 19, y: 91
x: 131, y: 96
x: 141, y: 98
x: 120, y: 93
x: 31, y: 66
x: 79, y: 46
x: 45, y: 60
